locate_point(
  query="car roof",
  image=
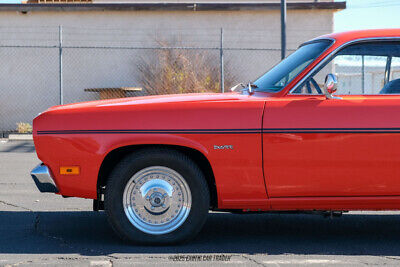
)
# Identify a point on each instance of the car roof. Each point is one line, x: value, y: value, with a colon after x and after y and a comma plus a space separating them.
x: 344, y: 37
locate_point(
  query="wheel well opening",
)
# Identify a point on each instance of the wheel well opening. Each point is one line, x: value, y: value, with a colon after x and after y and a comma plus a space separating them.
x: 116, y: 155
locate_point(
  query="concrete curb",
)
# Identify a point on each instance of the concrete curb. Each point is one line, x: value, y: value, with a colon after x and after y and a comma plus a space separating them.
x: 20, y: 137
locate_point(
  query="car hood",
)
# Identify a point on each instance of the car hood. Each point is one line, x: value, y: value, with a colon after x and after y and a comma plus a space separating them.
x: 157, y: 99
x: 189, y: 111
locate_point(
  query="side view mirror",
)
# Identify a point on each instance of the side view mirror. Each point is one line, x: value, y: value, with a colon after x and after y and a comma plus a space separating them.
x: 330, y: 86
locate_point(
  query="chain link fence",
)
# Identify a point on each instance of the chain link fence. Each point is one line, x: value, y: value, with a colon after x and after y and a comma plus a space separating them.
x: 46, y: 66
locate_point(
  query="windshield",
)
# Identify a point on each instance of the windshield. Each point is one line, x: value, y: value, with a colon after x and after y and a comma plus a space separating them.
x: 283, y: 73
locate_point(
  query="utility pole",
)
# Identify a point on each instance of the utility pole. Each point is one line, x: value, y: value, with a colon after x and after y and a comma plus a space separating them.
x: 283, y: 29
x: 60, y: 77
x: 221, y: 60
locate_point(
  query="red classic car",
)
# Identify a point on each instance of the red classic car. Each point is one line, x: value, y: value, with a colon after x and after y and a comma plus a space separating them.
x: 158, y: 164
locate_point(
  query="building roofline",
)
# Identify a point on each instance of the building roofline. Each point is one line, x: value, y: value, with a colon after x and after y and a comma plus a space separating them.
x: 162, y: 6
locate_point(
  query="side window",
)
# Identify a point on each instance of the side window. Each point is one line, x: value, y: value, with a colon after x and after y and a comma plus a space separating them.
x: 369, y: 68
x: 395, y: 70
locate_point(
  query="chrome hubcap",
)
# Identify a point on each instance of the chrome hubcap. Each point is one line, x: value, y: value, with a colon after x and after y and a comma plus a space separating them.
x: 157, y: 200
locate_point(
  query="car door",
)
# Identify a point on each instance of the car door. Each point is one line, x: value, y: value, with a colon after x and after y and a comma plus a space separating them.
x: 318, y: 147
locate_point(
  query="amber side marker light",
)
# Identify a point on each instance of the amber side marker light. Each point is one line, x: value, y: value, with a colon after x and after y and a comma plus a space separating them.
x: 69, y: 170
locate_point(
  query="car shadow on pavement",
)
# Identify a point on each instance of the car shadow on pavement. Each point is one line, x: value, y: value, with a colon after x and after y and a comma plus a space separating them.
x: 18, y: 147
x: 88, y: 233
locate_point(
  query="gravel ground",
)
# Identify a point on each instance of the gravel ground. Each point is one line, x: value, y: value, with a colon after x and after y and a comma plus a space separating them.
x: 37, y: 229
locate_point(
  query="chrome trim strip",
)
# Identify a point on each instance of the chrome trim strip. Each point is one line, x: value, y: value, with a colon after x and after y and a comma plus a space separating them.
x: 43, y: 179
x: 334, y: 52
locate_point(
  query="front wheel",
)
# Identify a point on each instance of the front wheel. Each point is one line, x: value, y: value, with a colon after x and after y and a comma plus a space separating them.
x: 157, y: 196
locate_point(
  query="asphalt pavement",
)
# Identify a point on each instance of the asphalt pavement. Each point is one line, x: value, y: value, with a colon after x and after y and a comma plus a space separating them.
x: 37, y: 229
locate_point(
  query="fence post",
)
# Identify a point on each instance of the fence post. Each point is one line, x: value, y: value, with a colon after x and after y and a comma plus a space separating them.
x: 60, y: 69
x: 363, y: 74
x: 283, y: 29
x: 221, y: 57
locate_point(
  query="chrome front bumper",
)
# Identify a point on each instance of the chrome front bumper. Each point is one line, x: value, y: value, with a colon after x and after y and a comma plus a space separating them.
x: 44, y: 181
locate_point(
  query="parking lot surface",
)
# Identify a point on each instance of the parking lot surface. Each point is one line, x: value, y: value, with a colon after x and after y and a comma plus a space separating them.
x: 38, y: 229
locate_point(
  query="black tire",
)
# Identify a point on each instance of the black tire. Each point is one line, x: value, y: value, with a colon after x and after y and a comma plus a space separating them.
x: 136, y: 162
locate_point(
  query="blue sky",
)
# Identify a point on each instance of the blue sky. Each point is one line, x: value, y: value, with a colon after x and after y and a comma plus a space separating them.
x: 368, y: 14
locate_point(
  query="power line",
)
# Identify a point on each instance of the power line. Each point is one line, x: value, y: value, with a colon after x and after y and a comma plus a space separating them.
x: 377, y: 4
